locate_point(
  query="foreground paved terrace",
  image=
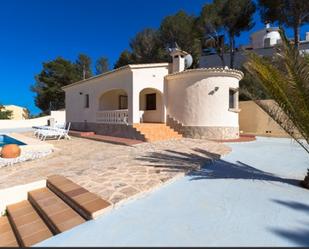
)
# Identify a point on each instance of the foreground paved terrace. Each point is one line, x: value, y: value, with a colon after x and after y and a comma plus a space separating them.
x: 115, y: 172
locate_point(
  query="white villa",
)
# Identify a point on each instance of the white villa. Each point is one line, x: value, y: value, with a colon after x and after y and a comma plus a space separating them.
x: 157, y: 101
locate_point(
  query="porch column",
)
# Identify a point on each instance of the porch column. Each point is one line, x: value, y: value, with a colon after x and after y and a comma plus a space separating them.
x: 133, y: 106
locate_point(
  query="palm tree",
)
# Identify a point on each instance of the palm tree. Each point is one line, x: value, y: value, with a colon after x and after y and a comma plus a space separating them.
x: 285, y: 79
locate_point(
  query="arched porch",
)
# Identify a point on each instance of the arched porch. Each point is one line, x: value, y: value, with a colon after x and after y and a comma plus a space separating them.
x: 113, y: 107
x: 151, y: 106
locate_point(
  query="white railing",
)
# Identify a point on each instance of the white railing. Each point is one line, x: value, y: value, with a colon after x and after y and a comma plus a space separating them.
x: 113, y: 117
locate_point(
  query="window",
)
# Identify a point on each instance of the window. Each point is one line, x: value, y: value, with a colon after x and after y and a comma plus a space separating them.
x: 123, y: 102
x: 233, y: 98
x: 86, y: 100
x: 151, y: 102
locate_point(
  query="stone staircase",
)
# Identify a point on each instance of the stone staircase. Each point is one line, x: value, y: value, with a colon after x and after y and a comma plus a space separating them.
x: 156, y: 131
x: 175, y: 124
x: 58, y: 207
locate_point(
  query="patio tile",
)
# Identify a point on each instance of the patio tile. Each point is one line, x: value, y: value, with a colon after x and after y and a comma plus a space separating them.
x: 106, y: 169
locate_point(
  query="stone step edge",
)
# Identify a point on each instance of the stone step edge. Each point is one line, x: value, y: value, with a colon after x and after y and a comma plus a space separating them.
x: 73, y: 204
x: 76, y: 206
x: 15, y: 230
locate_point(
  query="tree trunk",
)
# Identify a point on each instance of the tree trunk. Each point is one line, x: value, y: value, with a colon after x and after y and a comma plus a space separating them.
x: 296, y: 33
x: 232, y: 50
x: 220, y: 49
x: 222, y: 59
x: 220, y: 53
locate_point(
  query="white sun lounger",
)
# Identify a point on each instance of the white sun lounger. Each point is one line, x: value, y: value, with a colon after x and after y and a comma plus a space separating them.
x: 38, y: 129
x: 54, y: 133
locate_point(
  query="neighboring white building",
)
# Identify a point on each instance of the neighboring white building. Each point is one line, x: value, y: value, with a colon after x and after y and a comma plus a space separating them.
x: 200, y: 103
x: 262, y: 42
x: 264, y: 38
x: 18, y: 112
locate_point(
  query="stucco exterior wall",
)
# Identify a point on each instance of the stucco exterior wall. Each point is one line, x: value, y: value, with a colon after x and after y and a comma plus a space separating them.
x: 75, y: 102
x: 143, y: 77
x: 194, y: 101
x: 253, y: 120
x: 149, y: 78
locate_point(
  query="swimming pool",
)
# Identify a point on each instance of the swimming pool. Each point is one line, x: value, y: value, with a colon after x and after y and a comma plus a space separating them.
x: 5, y: 139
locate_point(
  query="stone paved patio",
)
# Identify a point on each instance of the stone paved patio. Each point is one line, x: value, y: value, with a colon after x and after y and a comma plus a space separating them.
x: 115, y: 172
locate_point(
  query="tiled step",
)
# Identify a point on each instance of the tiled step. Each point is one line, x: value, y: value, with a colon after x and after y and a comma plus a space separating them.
x: 7, y: 236
x: 156, y: 131
x: 159, y: 132
x: 28, y: 226
x: 87, y: 204
x: 58, y: 215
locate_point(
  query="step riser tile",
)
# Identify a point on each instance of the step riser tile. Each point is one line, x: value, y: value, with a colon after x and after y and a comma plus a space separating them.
x: 54, y: 220
x: 27, y: 224
x: 7, y: 236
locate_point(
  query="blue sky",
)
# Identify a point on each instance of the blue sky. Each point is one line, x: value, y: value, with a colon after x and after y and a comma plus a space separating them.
x: 35, y: 31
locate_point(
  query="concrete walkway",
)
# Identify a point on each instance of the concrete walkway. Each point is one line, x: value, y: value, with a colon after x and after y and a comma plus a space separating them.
x: 248, y: 198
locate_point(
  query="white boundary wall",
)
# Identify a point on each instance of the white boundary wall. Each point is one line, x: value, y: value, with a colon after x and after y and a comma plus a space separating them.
x: 59, y: 117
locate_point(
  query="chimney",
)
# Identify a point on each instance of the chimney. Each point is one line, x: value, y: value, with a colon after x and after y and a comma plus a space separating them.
x: 178, y: 56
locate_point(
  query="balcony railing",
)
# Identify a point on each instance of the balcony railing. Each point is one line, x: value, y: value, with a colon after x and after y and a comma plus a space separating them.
x: 113, y: 117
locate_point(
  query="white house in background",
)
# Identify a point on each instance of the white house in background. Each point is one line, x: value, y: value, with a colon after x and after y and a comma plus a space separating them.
x: 262, y: 42
x: 152, y: 101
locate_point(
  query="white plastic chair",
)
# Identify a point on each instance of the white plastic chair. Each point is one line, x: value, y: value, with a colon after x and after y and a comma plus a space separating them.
x: 65, y: 132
